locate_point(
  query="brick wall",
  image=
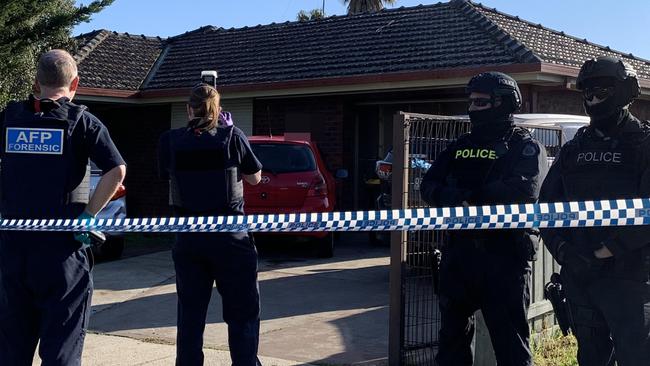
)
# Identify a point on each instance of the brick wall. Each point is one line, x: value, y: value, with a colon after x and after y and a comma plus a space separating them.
x: 135, y: 130
x: 641, y: 109
x: 560, y: 101
x: 323, y: 118
x: 570, y: 102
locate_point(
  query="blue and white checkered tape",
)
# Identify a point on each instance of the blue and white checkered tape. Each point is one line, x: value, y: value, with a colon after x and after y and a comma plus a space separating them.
x: 624, y: 212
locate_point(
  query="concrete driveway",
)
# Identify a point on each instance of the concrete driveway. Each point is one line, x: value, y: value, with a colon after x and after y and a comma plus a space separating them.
x: 315, y: 311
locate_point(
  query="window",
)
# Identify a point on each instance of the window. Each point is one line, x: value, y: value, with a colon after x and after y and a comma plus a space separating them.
x: 284, y: 158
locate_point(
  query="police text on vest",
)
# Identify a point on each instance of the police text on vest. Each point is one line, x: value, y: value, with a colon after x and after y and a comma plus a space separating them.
x: 599, y: 156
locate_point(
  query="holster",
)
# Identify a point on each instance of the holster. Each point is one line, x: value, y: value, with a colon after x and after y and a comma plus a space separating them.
x: 554, y: 293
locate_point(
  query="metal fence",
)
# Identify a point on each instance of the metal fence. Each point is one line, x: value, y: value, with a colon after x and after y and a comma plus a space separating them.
x: 415, y: 316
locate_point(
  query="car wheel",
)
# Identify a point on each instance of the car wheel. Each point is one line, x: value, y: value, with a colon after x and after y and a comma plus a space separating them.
x: 112, y: 249
x: 325, y: 246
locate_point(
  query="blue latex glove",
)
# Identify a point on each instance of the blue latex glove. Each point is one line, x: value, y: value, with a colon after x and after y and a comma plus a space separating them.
x: 83, y: 237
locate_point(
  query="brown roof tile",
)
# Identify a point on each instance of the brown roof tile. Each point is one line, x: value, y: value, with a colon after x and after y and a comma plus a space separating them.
x: 112, y: 60
x: 457, y: 34
x: 556, y: 47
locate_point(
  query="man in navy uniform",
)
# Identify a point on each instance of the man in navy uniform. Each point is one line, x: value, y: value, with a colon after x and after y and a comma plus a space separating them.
x: 605, y: 269
x: 496, y: 163
x: 45, y: 277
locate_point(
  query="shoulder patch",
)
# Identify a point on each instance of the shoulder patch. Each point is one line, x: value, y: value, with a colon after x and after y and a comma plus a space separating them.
x: 530, y: 149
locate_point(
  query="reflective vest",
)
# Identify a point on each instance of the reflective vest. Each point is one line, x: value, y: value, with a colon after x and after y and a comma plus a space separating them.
x: 39, y: 175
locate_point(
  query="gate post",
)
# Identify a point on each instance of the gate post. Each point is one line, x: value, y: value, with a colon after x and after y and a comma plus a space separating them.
x: 398, y: 238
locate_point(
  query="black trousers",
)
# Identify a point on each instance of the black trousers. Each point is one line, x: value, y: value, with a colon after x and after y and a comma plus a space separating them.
x: 45, y: 293
x: 611, y: 319
x: 230, y: 261
x: 497, y: 283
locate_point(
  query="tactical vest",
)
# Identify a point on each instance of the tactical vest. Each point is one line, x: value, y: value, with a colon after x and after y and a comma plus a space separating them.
x: 204, y: 179
x: 475, y: 164
x: 594, y: 168
x: 39, y: 175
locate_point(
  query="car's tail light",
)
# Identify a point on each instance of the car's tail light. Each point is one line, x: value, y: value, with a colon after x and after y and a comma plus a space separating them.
x: 121, y: 192
x: 384, y: 170
x: 318, y: 187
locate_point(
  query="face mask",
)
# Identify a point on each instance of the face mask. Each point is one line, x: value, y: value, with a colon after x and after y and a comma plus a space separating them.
x: 602, y: 110
x: 482, y: 117
x: 489, y: 123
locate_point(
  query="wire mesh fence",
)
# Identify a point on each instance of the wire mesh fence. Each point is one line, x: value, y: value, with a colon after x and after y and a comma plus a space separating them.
x: 422, y: 138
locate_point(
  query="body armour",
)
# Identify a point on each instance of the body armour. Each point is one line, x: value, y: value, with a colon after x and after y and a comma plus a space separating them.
x: 204, y: 179
x: 595, y: 167
x: 39, y: 174
x: 475, y: 164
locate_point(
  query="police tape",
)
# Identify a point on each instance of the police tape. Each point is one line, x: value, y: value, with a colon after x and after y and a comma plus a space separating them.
x: 624, y: 212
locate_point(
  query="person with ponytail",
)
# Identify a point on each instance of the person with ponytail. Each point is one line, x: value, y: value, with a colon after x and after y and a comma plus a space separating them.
x: 206, y: 163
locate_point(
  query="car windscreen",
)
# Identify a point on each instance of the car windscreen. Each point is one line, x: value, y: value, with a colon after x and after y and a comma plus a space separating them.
x: 284, y: 158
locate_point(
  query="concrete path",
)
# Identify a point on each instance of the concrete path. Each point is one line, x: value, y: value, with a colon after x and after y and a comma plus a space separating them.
x: 328, y: 312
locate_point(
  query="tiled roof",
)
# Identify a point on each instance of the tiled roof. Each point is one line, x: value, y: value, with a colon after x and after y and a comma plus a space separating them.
x: 556, y: 47
x: 112, y: 60
x: 456, y: 34
x: 394, y: 40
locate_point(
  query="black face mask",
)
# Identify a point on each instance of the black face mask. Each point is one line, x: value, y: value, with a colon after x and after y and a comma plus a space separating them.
x: 605, y: 115
x: 603, y: 110
x: 489, y: 124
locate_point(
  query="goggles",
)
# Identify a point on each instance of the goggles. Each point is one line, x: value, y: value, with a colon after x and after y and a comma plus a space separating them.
x: 598, y: 92
x: 480, y: 102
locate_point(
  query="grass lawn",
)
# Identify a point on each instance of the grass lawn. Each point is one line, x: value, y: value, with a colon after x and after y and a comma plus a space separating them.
x: 555, y: 350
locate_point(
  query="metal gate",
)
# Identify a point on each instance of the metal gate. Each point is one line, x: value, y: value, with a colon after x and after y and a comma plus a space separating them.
x: 414, y: 313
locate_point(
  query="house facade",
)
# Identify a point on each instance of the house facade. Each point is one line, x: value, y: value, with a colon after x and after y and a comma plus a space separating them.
x: 341, y: 78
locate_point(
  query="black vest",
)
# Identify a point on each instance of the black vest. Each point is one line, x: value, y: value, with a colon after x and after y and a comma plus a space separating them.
x: 204, y: 179
x: 597, y: 168
x: 39, y: 174
x: 475, y: 164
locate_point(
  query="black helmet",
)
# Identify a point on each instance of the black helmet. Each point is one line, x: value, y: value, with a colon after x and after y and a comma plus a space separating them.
x: 607, y: 67
x: 497, y: 84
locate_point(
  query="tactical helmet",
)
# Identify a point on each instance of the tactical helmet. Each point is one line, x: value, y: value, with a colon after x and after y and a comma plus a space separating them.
x: 626, y: 82
x: 497, y: 84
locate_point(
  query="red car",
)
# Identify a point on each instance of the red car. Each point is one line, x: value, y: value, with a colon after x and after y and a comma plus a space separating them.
x: 294, y: 179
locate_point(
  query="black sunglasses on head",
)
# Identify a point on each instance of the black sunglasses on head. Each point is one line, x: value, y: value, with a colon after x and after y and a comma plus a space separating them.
x: 480, y: 102
x: 598, y: 92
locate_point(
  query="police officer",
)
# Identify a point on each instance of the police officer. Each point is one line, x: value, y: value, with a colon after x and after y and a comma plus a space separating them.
x: 206, y: 162
x: 45, y: 277
x: 605, y: 269
x: 496, y: 163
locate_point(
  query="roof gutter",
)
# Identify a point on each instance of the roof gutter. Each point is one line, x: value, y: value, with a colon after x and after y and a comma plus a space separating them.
x: 375, y: 82
x: 450, y: 77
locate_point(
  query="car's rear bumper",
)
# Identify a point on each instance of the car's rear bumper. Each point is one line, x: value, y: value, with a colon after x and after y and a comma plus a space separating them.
x: 311, y: 205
